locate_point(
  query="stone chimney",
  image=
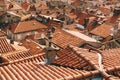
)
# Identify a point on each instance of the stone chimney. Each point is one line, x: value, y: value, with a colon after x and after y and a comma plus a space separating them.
x: 50, y: 50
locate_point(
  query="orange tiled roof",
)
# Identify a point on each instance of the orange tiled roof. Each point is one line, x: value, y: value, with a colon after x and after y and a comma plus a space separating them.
x: 34, y: 71
x: 2, y: 2
x: 34, y: 58
x: 43, y: 6
x: 13, y: 6
x: 27, y: 26
x: 76, y: 3
x: 16, y: 55
x: 22, y: 56
x: 2, y: 33
x: 30, y: 70
x: 69, y: 58
x: 102, y: 30
x: 62, y: 38
x: 111, y: 58
x: 25, y: 6
x: 5, y: 46
x: 84, y: 15
x: 113, y: 19
x: 34, y: 47
x: 105, y: 10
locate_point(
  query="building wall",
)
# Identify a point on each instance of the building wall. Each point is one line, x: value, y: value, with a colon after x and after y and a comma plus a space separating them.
x: 8, y: 18
x: 21, y: 36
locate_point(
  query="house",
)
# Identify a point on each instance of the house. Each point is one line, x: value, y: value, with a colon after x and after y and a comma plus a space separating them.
x: 21, y: 30
x: 33, y: 46
x: 102, y: 32
x: 14, y: 13
x: 34, y: 7
x: 13, y: 17
x: 72, y: 63
x: 13, y: 6
x: 9, y: 54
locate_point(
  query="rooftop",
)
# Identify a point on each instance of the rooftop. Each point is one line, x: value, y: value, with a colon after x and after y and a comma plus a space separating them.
x: 27, y: 26
x: 103, y: 30
x: 63, y: 39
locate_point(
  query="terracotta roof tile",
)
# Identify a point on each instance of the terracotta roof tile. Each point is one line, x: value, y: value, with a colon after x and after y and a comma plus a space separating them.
x: 43, y: 6
x: 16, y: 55
x: 5, y: 46
x: 2, y: 2
x: 34, y: 47
x: 102, y: 30
x: 34, y: 58
x: 23, y: 57
x: 62, y: 38
x: 25, y: 6
x: 2, y: 34
x: 105, y: 10
x: 84, y: 15
x: 68, y: 58
x: 44, y: 72
x: 113, y: 19
x: 111, y: 58
x: 27, y: 26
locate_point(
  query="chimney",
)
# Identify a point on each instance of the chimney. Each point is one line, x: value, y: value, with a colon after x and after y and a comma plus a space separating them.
x: 42, y: 39
x: 11, y: 41
x: 50, y: 50
x: 86, y: 21
x: 95, y: 22
x: 116, y: 11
